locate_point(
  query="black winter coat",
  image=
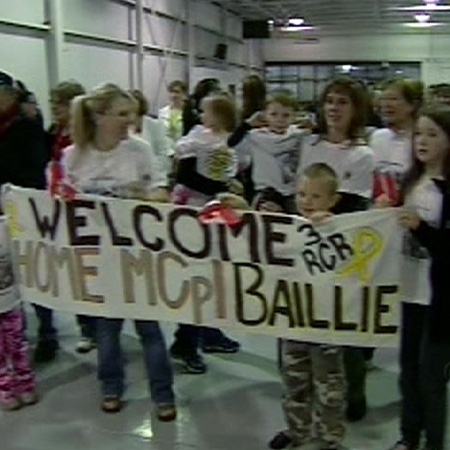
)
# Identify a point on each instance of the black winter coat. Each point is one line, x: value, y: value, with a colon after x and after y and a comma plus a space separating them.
x: 23, y: 154
x: 437, y: 241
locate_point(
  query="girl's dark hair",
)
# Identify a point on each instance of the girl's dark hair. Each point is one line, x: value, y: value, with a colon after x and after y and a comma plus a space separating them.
x: 141, y: 102
x: 351, y: 88
x: 253, y: 95
x: 203, y: 88
x: 441, y: 117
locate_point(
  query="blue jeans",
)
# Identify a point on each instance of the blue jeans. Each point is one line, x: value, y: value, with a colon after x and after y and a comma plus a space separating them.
x: 111, y: 365
x: 46, y: 330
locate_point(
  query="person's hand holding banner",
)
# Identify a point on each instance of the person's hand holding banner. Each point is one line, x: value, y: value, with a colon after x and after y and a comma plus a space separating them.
x: 159, y: 195
x: 408, y: 219
x: 320, y: 216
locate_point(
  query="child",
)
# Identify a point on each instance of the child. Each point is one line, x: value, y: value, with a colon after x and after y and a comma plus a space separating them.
x: 273, y: 151
x: 425, y: 343
x: 339, y: 144
x: 206, y: 166
x: 204, y: 151
x: 17, y: 386
x: 313, y: 374
x: 58, y: 137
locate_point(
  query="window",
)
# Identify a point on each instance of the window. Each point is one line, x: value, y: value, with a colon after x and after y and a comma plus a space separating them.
x: 307, y: 81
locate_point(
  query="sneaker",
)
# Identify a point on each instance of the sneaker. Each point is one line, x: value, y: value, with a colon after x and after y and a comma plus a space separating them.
x: 403, y: 445
x: 111, y: 404
x: 10, y: 403
x: 167, y: 412
x: 280, y: 440
x: 45, y: 352
x: 29, y: 398
x: 192, y: 361
x: 222, y: 345
x: 194, y: 364
x: 85, y: 345
x: 356, y: 410
x: 370, y: 366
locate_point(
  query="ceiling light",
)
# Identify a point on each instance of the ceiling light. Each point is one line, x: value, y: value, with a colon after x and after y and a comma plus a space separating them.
x: 422, y: 17
x: 427, y: 7
x: 296, y: 21
x: 423, y: 24
x: 290, y: 28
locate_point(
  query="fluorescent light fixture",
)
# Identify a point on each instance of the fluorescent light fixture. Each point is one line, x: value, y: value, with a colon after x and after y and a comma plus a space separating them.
x: 296, y: 28
x: 424, y: 7
x: 422, y: 17
x: 423, y: 24
x: 296, y: 21
x: 346, y: 68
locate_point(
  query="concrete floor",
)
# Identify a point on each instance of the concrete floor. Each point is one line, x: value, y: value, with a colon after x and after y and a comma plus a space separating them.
x: 236, y: 405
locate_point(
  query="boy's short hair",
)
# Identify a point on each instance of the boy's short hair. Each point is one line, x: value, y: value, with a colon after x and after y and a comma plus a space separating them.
x: 283, y: 99
x: 324, y: 172
x: 224, y: 108
x: 177, y: 85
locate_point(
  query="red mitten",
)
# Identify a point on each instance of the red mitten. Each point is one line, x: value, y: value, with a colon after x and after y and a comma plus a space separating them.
x: 384, y: 184
x: 215, y: 212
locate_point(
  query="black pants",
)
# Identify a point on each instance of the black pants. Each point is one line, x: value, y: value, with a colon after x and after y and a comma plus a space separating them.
x: 423, y: 379
x: 355, y: 374
x: 47, y: 333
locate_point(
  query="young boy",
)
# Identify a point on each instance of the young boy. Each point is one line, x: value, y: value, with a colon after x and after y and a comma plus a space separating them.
x: 313, y: 374
x: 272, y: 151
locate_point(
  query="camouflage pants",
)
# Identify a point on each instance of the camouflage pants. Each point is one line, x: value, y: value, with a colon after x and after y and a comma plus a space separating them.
x: 313, y: 402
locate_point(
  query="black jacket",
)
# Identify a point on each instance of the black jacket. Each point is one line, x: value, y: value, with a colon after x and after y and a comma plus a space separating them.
x: 437, y: 241
x: 23, y: 154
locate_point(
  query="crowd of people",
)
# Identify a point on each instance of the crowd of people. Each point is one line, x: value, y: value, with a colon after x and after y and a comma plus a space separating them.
x: 351, y: 155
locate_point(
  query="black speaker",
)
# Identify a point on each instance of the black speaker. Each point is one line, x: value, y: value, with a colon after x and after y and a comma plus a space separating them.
x: 255, y: 29
x: 221, y: 52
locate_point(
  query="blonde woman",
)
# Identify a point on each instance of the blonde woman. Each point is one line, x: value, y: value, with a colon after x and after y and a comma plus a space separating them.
x: 104, y: 160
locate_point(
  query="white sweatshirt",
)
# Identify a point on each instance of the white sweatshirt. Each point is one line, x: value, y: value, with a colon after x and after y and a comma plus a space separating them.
x: 274, y: 157
x: 354, y: 164
x: 109, y: 172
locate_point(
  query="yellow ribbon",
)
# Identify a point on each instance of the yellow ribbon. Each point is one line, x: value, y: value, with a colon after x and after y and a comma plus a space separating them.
x: 219, y: 163
x: 12, y: 219
x: 366, y: 245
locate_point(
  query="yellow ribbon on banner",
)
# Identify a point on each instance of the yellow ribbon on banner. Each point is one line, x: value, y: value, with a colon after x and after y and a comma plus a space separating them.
x: 366, y: 245
x: 12, y: 219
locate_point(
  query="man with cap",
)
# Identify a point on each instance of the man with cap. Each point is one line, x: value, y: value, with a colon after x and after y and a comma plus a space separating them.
x: 24, y: 158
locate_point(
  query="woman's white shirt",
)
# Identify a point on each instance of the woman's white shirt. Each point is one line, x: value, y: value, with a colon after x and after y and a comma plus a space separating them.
x: 109, y: 172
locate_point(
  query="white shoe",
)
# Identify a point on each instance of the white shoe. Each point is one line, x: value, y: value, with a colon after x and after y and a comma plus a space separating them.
x: 85, y: 345
x: 29, y: 398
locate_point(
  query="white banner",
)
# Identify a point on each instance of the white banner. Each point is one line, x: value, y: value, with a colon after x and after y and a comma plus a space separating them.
x: 274, y: 274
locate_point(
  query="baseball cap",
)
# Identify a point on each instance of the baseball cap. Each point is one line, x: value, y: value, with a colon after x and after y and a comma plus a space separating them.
x: 6, y: 79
